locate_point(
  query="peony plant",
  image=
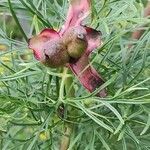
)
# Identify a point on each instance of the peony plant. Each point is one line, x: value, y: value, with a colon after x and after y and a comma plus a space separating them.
x: 71, y: 46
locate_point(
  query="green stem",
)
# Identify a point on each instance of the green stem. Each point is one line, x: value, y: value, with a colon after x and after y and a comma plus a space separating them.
x: 62, y: 85
x: 70, y: 92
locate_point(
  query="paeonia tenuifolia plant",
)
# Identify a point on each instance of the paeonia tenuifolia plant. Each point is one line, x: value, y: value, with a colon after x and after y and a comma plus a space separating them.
x: 71, y: 46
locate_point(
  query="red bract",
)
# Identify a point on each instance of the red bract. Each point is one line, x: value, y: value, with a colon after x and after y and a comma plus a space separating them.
x: 78, y: 11
x: 71, y: 46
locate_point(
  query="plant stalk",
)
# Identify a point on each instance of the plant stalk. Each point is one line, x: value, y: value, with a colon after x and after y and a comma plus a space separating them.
x: 70, y: 92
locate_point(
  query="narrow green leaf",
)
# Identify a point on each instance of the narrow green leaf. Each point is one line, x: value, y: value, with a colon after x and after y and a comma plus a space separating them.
x: 114, y: 111
x: 124, y: 145
x: 99, y: 122
x: 103, y: 141
x: 35, y: 12
x: 147, y: 126
x: 17, y: 21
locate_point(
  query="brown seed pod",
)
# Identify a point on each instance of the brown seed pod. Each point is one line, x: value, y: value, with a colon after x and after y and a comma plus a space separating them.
x: 55, y: 54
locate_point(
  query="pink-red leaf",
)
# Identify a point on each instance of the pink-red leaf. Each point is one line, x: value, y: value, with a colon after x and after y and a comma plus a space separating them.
x: 78, y: 11
x: 87, y: 75
x: 93, y: 39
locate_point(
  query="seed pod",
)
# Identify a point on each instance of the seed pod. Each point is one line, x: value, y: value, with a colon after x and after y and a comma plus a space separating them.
x: 49, y: 49
x: 75, y: 40
x: 56, y: 54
